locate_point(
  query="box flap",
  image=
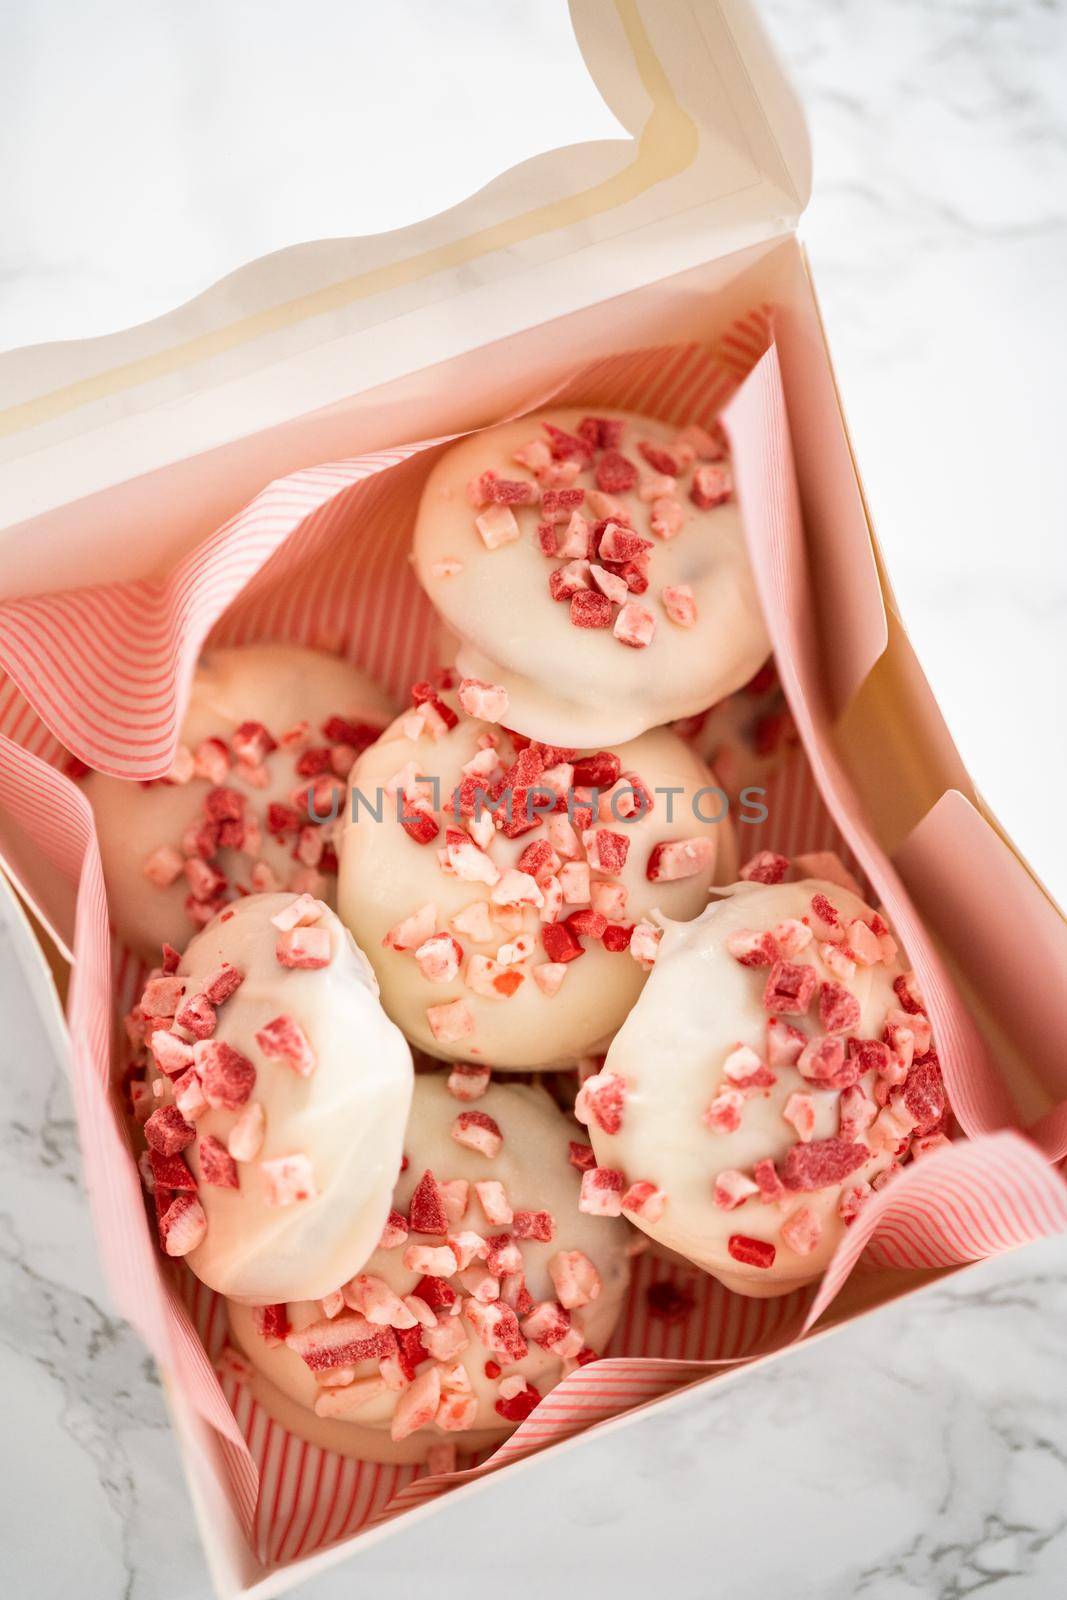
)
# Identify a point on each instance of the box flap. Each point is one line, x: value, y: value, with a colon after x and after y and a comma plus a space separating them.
x: 717, y: 158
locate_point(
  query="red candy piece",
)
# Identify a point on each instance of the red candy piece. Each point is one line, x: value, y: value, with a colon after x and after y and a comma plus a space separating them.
x: 168, y: 1132
x: 420, y: 826
x: 838, y: 1009
x: 582, y: 1156
x: 822, y: 1163
x: 752, y: 1252
x: 217, y: 1166
x: 227, y: 1077
x: 219, y: 986
x: 437, y: 1293
x: 617, y: 543
x: 612, y: 850
x: 171, y: 1172
x: 587, y: 924
x: 597, y: 771
x: 271, y: 1321
x: 518, y: 1406
x: 534, y: 1225
x: 411, y: 1351
x: 426, y: 1213
x: 560, y: 942
x: 590, y: 610
x: 566, y: 447
x: 789, y: 988
x: 603, y: 433
x: 224, y: 805
x: 659, y: 458
x: 617, y: 938
x: 311, y: 762
x: 924, y: 1093
x: 341, y: 1342
x: 339, y: 730
x: 614, y: 473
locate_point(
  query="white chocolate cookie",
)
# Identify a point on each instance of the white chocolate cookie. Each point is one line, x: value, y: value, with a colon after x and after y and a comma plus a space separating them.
x: 418, y: 1350
x: 595, y: 567
x: 276, y: 1102
x: 265, y: 723
x: 520, y: 945
x: 776, y: 1063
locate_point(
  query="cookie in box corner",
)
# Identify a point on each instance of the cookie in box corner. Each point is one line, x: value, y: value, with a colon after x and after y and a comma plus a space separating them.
x: 776, y: 1070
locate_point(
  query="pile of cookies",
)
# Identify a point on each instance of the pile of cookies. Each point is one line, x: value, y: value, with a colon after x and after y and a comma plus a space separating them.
x: 360, y: 925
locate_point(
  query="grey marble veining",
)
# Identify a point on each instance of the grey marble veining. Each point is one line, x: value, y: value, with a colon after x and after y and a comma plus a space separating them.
x: 922, y: 1452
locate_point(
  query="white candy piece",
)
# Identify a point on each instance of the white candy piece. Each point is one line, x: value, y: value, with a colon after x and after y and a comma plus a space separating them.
x: 337, y: 1130
x: 582, y: 686
x: 280, y: 686
x: 500, y: 1006
x: 688, y: 1123
x: 360, y: 1418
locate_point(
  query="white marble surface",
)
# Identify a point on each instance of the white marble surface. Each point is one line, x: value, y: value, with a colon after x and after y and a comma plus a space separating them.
x: 920, y: 1453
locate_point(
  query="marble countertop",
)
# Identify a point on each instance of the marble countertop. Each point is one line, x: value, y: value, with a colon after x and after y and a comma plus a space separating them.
x: 919, y: 1453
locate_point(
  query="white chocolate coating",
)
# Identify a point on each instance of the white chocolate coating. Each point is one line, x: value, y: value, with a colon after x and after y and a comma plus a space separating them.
x: 577, y: 686
x: 534, y: 1169
x: 278, y: 685
x: 386, y: 876
x: 699, y: 1004
x: 348, y: 1117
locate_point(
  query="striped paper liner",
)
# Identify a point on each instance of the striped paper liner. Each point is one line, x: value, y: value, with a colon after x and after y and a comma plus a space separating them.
x: 321, y: 558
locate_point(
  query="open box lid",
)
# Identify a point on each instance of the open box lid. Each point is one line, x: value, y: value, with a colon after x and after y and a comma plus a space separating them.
x: 101, y: 439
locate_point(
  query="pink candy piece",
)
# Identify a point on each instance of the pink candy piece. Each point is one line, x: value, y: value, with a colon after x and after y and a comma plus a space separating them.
x: 477, y: 1131
x: 765, y: 867
x: 246, y: 1136
x: 439, y: 957
x: 679, y: 858
x: 497, y: 526
x: 284, y: 1039
x: 644, y: 1199
x: 450, y: 1023
x: 574, y: 1278
x: 635, y: 626
x: 301, y: 913
x: 183, y: 1225
x: 601, y: 1192
x: 288, y: 1180
x: 467, y: 1082
x: 486, y: 701
x: 680, y: 604
x: 731, y: 1189
x: 799, y: 1110
x: 304, y: 948
x: 163, y: 867
x: 802, y: 1230
x: 412, y: 931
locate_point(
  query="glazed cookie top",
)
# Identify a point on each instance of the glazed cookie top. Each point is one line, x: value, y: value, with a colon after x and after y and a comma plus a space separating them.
x: 276, y: 1099
x: 596, y: 568
x: 265, y: 724
x: 501, y: 888
x: 776, y: 1065
x: 491, y: 1280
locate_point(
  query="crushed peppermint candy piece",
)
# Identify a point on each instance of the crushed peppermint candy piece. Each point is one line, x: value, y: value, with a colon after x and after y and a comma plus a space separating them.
x: 288, y: 1180
x: 574, y: 1278
x: 475, y: 1130
x: 601, y: 1192
x: 283, y: 1039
